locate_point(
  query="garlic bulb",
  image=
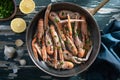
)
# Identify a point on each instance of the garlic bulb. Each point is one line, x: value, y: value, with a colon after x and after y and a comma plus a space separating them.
x: 9, y: 51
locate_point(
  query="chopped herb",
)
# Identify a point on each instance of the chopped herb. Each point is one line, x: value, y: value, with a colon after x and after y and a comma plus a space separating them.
x: 76, y: 34
x: 65, y: 42
x: 55, y: 36
x: 73, y: 24
x: 66, y: 28
x: 48, y: 42
x: 54, y: 47
x: 62, y: 13
x: 6, y: 8
x: 77, y: 59
x: 67, y: 32
x: 56, y: 20
x: 59, y: 47
x: 61, y: 63
x: 68, y: 42
x: 77, y: 45
x: 87, y: 41
x: 61, y: 32
x: 57, y: 42
x: 72, y: 47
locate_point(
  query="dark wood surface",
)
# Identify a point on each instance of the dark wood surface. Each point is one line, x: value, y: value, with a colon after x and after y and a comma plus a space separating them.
x: 9, y: 67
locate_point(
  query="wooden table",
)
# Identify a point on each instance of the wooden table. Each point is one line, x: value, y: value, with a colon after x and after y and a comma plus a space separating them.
x: 11, y: 69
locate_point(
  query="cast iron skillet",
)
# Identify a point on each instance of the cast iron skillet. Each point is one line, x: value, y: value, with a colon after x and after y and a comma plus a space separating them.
x: 95, y: 36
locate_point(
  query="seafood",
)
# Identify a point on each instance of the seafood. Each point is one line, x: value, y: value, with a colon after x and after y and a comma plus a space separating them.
x: 34, y: 48
x: 61, y: 55
x: 78, y: 42
x: 46, y: 16
x: 55, y: 58
x: 38, y: 49
x: 69, y: 26
x: 67, y: 65
x: 63, y: 14
x: 40, y: 29
x: 71, y: 46
x: 61, y: 39
x: 84, y: 29
x: 49, y: 44
x: 54, y: 17
x: 67, y: 55
x: 71, y: 20
x: 55, y: 36
x: 48, y: 41
x: 43, y: 51
x: 38, y: 38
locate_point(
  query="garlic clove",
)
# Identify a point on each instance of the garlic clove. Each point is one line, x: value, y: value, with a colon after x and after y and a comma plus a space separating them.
x: 9, y: 51
x: 19, y: 42
x: 22, y: 62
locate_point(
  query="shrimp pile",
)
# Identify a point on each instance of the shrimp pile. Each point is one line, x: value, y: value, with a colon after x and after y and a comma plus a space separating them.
x: 62, y: 39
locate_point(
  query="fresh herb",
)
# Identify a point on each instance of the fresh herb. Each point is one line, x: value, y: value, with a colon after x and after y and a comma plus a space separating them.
x: 87, y: 41
x: 55, y: 36
x: 73, y: 25
x: 62, y: 13
x: 72, y: 47
x: 77, y: 59
x: 68, y: 41
x: 6, y: 8
x: 56, y: 20
x: 48, y: 42
x: 66, y: 28
x: 59, y: 47
x: 57, y: 42
x: 61, y: 63
x: 76, y: 34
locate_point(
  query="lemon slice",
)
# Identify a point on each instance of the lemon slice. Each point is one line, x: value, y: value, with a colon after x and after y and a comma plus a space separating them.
x: 18, y: 25
x: 27, y: 6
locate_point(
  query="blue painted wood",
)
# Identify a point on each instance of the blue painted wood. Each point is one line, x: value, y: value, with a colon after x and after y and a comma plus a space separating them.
x: 109, y: 12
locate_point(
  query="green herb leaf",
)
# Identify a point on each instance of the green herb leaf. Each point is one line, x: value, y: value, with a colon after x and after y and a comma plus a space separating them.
x: 55, y: 36
x: 62, y: 13
x: 59, y: 47
x: 61, y: 63
x: 48, y: 42
x: 76, y: 34
x: 6, y: 8
x: 56, y: 20
x: 72, y: 47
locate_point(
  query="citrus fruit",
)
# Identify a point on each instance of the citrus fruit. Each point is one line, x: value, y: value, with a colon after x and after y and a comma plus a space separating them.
x: 18, y: 25
x: 27, y: 6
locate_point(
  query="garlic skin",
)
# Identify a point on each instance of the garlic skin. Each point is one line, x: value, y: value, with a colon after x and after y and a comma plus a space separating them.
x: 22, y: 62
x: 9, y: 51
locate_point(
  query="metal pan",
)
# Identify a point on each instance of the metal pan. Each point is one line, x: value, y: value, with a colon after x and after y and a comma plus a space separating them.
x: 95, y: 36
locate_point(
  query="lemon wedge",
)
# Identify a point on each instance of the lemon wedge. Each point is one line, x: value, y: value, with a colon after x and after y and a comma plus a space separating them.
x: 27, y: 6
x: 18, y: 25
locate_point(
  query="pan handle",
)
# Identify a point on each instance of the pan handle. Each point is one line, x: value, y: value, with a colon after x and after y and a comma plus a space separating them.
x: 93, y: 11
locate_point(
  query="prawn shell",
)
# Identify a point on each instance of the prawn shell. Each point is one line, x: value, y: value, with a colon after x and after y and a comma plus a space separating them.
x: 67, y: 65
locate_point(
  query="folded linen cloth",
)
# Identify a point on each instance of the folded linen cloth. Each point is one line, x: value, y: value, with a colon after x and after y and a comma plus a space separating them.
x: 110, y: 46
x: 107, y: 64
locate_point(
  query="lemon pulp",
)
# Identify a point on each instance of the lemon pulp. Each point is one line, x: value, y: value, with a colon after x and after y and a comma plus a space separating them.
x: 27, y: 6
x: 18, y: 25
